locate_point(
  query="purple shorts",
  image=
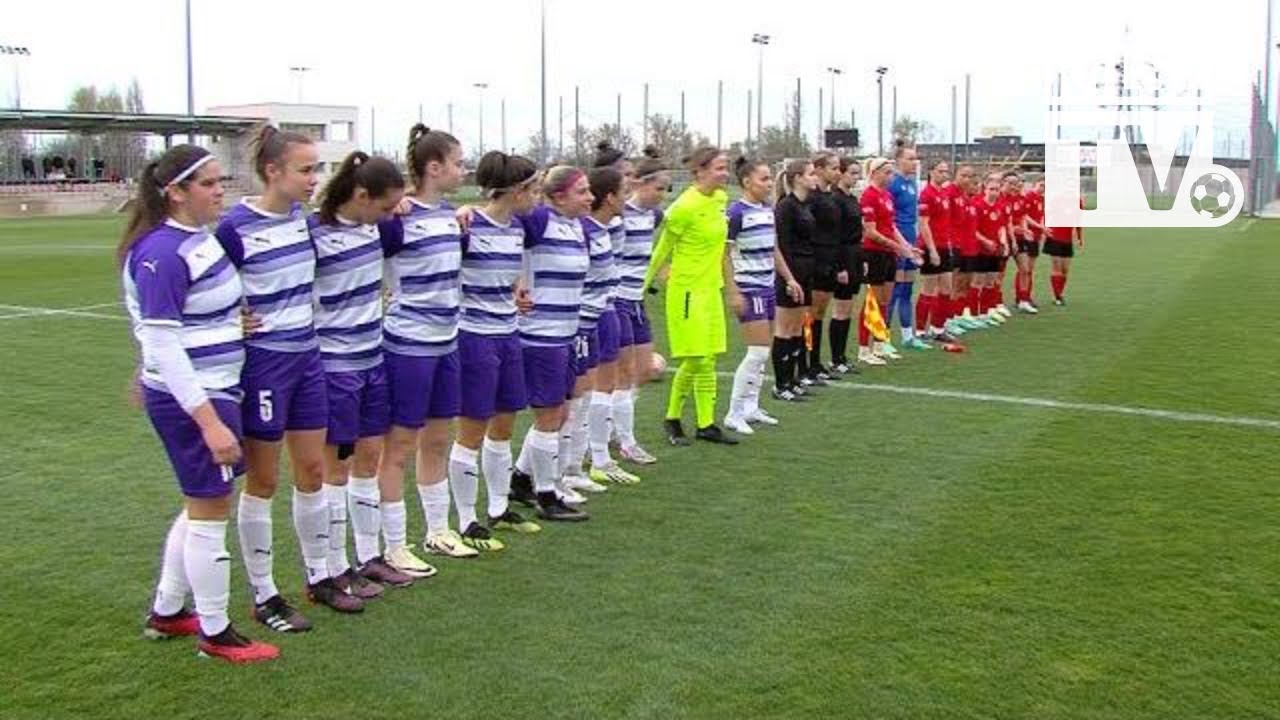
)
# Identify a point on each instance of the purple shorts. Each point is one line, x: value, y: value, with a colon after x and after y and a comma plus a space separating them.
x: 586, y: 352
x: 548, y: 374
x: 423, y: 387
x: 198, y: 475
x: 609, y: 329
x: 634, y: 324
x: 760, y: 304
x: 359, y: 405
x: 282, y: 391
x: 492, y: 374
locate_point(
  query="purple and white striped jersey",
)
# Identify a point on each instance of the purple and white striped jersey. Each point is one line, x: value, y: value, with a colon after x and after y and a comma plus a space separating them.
x: 181, y: 277
x: 640, y: 226
x: 492, y: 256
x: 601, y: 281
x: 423, y: 268
x: 348, y: 294
x: 556, y: 252
x: 751, y: 239
x: 277, y: 265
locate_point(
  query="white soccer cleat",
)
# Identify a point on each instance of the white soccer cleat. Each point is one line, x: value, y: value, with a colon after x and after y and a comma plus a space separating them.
x: 762, y: 417
x: 445, y: 544
x: 568, y: 495
x: 637, y: 455
x: 738, y: 425
x: 867, y: 357
x: 583, y: 484
x: 1004, y: 311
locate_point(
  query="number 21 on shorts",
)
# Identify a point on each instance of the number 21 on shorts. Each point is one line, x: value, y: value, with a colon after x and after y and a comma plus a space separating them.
x: 266, y: 406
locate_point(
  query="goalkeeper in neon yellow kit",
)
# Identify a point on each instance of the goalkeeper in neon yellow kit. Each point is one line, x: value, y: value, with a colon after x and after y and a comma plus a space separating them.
x: 693, y: 236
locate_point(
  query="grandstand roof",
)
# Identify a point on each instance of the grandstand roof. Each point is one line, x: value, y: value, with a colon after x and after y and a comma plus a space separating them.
x: 99, y: 122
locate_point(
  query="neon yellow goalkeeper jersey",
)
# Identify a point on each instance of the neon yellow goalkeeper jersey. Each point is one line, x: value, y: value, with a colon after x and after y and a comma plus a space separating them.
x: 694, y: 230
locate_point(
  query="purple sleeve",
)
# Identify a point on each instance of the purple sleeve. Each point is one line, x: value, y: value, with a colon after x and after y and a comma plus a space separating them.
x: 534, y: 224
x: 658, y: 217
x: 392, y: 235
x: 735, y: 220
x: 162, y: 281
x: 232, y: 243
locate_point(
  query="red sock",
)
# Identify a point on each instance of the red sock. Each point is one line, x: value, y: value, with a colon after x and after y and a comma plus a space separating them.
x: 1059, y: 283
x: 1020, y: 285
x: 1031, y: 282
x: 997, y: 295
x: 975, y: 301
x: 924, y: 306
x: 864, y: 336
x: 957, y: 307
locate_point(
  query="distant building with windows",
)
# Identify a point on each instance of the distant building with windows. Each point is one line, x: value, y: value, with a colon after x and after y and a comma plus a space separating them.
x: 332, y: 127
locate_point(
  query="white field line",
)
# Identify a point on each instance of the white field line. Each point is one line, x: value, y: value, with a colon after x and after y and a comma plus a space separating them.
x: 19, y: 312
x: 1101, y: 408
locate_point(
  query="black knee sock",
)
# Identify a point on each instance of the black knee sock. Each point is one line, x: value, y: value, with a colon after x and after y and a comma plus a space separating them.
x: 815, y: 353
x: 839, y: 340
x: 779, y: 355
x: 801, y: 357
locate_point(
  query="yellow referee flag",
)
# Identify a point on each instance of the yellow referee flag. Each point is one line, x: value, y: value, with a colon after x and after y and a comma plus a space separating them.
x: 872, y: 320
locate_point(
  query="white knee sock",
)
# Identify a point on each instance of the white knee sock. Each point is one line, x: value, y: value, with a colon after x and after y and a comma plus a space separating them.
x: 253, y: 521
x: 208, y: 567
x: 394, y: 524
x: 311, y: 523
x: 171, y: 591
x: 366, y: 516
x: 495, y: 462
x: 598, y: 428
x: 464, y: 480
x: 336, y: 497
x: 522, y: 461
x: 757, y: 360
x: 435, y: 506
x: 624, y: 416
x: 543, y: 447
x: 578, y: 422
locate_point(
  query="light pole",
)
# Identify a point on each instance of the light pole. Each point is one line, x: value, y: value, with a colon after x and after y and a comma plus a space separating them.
x: 880, y: 71
x: 16, y: 51
x: 191, y: 93
x: 481, y: 87
x: 834, y: 71
x: 545, y: 143
x: 760, y: 40
x: 299, y: 73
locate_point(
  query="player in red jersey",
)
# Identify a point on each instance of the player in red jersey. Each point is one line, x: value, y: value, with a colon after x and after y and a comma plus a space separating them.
x: 993, y: 241
x: 1029, y: 249
x: 1015, y: 207
x: 882, y: 244
x: 1060, y: 245
x: 933, y: 308
x: 964, y: 241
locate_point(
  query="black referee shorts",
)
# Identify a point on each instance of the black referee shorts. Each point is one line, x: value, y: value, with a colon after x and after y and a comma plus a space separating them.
x: 882, y: 267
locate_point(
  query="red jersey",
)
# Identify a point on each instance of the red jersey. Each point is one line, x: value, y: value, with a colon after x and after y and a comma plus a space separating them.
x: 992, y: 218
x: 964, y: 221
x: 1063, y: 234
x: 1016, y: 206
x: 1035, y: 211
x: 935, y: 207
x: 877, y: 207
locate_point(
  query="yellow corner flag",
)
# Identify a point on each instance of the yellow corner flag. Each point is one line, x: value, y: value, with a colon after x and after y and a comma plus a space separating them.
x: 872, y: 320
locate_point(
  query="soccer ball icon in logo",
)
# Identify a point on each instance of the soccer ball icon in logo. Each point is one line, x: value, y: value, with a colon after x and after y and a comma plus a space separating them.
x: 1212, y: 195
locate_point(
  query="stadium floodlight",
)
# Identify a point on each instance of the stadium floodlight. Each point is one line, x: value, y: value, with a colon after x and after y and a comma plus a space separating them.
x: 481, y: 87
x: 299, y: 71
x: 880, y: 73
x: 834, y: 71
x: 17, y: 51
x: 761, y: 40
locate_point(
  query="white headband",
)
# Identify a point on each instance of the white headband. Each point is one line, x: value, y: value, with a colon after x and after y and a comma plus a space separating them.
x: 190, y: 170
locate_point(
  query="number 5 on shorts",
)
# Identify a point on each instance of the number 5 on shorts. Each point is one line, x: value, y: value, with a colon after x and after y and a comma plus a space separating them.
x: 266, y: 407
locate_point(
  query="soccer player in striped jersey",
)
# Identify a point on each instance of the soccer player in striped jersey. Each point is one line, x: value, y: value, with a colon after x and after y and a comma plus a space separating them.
x: 493, y: 381
x: 850, y: 260
x: 752, y: 240
x: 423, y: 250
x: 693, y: 238
x: 348, y: 317
x: 933, y: 309
x: 882, y: 244
x: 267, y: 239
x: 183, y: 296
x: 598, y: 336
x: 1029, y: 248
x: 641, y: 218
x: 557, y: 260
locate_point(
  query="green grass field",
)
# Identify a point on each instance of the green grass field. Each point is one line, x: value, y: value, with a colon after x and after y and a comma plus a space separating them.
x: 879, y: 555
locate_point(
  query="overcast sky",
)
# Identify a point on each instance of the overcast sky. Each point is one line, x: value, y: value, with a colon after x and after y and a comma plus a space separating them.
x: 393, y: 55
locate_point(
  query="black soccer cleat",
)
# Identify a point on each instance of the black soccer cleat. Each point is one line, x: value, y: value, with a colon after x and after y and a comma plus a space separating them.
x: 522, y: 489
x: 675, y: 433
x: 713, y: 434
x: 553, y: 509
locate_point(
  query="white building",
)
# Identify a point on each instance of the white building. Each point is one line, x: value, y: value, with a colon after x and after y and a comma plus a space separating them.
x: 332, y: 127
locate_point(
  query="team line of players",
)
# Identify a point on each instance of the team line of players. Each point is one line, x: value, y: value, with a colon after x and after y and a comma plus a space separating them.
x: 352, y: 338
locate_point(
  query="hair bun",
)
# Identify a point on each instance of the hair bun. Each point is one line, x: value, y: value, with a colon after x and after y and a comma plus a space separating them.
x: 604, y: 146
